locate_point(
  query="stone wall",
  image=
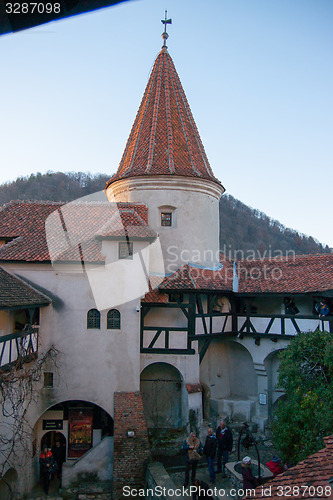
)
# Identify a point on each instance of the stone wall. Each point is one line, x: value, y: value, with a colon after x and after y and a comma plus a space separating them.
x: 156, y: 475
x: 95, y: 465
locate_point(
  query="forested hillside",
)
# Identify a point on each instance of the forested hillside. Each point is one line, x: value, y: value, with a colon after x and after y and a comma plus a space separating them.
x: 249, y: 229
x: 242, y: 228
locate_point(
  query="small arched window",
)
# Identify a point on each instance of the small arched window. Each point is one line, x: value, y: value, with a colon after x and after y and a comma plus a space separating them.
x: 93, y: 319
x: 113, y: 319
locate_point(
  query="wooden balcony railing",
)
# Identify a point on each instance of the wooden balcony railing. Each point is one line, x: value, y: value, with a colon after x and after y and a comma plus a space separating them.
x: 19, y: 347
x: 281, y: 324
x: 217, y: 324
x: 207, y: 326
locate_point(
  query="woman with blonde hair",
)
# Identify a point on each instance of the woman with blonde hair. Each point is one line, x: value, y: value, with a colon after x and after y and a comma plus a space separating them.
x: 193, y: 449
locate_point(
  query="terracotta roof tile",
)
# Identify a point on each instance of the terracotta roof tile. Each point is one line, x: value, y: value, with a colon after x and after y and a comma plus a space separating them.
x: 192, y: 278
x: 292, y: 274
x: 15, y: 292
x: 313, y: 472
x: 193, y: 388
x: 197, y: 278
x: 164, y: 139
x: 126, y: 223
x: 154, y: 295
x: 70, y: 230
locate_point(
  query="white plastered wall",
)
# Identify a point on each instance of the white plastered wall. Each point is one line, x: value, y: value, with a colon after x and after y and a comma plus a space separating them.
x: 194, y: 236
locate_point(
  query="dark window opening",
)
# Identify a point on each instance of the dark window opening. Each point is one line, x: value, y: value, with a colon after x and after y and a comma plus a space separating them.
x: 48, y: 379
x: 113, y: 320
x: 166, y: 219
x: 125, y: 250
x: 93, y: 319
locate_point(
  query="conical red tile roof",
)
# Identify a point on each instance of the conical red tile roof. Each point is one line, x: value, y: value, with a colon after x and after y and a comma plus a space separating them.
x: 164, y: 139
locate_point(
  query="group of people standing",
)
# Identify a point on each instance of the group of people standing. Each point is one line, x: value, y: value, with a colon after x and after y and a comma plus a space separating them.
x: 219, y: 444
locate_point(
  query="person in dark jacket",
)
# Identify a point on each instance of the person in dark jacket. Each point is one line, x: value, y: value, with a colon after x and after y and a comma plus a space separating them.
x: 224, y: 445
x: 249, y: 481
x: 322, y: 308
x: 209, y: 451
x: 46, y: 462
x: 193, y: 449
x: 59, y: 455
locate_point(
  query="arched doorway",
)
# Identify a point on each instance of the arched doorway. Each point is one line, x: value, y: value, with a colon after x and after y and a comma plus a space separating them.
x: 79, y: 425
x: 50, y: 438
x: 7, y: 485
x: 82, y: 426
x: 228, y: 370
x: 163, y: 395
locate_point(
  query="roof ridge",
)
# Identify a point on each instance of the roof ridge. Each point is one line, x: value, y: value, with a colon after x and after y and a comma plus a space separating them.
x: 30, y: 202
x: 285, y: 258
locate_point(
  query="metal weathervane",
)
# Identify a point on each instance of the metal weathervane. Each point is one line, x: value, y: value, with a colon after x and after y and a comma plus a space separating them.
x: 165, y: 35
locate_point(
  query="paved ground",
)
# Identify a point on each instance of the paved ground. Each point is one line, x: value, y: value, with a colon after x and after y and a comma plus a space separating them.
x: 222, y: 485
x: 37, y: 492
x: 55, y: 493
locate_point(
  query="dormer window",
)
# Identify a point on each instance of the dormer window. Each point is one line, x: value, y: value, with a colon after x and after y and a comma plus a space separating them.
x: 166, y: 219
x: 125, y: 250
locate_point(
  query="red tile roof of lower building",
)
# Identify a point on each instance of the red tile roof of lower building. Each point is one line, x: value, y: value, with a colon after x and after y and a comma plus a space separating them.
x: 15, y: 292
x: 198, y: 278
x: 311, y: 476
x: 289, y: 274
x: 45, y: 231
x: 286, y: 275
x: 193, y: 278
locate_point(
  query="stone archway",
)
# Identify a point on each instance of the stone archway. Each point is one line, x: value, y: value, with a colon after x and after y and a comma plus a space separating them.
x: 163, y: 393
x: 49, y: 439
x: 85, y: 427
x: 8, y: 484
x: 228, y: 370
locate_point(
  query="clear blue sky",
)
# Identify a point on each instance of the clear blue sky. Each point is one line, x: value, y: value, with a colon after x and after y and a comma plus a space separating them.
x: 258, y: 75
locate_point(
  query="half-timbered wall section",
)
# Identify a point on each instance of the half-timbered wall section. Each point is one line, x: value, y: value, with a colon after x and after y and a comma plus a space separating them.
x: 207, y: 316
x: 174, y: 336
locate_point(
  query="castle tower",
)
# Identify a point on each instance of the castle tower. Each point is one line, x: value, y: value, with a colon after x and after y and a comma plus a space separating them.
x: 165, y: 166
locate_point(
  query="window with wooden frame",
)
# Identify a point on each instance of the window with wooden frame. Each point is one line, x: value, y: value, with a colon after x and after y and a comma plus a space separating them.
x: 125, y: 250
x: 166, y: 219
x: 113, y: 320
x: 93, y: 319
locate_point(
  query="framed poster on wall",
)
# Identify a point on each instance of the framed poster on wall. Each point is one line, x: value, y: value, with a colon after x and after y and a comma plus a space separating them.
x: 80, y: 424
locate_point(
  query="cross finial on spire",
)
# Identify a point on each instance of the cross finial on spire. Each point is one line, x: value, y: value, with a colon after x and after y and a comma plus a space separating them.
x: 165, y: 35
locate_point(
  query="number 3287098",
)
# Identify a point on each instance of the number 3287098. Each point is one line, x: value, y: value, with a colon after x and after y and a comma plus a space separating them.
x: 302, y: 491
x: 33, y: 8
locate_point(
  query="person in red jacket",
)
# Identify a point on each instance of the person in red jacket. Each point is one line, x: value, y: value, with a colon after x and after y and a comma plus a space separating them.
x: 46, y: 462
x: 275, y: 466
